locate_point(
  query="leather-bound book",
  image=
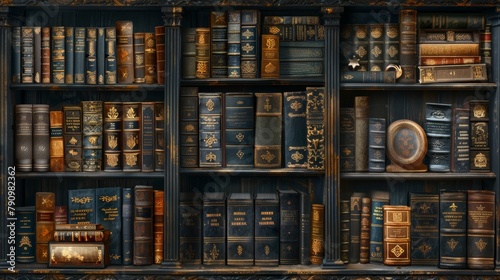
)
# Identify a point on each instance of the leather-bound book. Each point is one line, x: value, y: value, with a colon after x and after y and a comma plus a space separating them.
x: 424, y: 228
x: 391, y: 44
x: 460, y: 141
x: 267, y: 229
x: 189, y: 127
x: 112, y: 136
x: 479, y: 135
x: 16, y: 55
x: 189, y: 48
x: 46, y: 55
x: 361, y: 120
x: 397, y: 220
x: 289, y: 227
x: 345, y: 227
x: 91, y: 55
x: 210, y: 114
x: 437, y: 36
x: 81, y: 206
x: 218, y: 44
x: 365, y: 228
x: 347, y: 143
x: 101, y: 55
x: 214, y: 229
x: 190, y: 208
x: 268, y: 126
x: 69, y: 54
x: 270, y: 56
x: 25, y: 234
x: 44, y: 224
x: 160, y: 54
x: 79, y: 55
x: 143, y: 253
x: 110, y: 56
x: 452, y: 229
x: 376, y: 144
x: 485, y: 48
x: 295, y: 128
x: 376, y: 47
x: 61, y: 214
x: 388, y: 77
x: 147, y: 132
x: 56, y: 142
x: 315, y: 111
x: 438, y: 120
x: 127, y: 237
x: 109, y: 214
x: 159, y: 138
x: 453, y: 73
x: 361, y: 46
x: 481, y: 229
x: 202, y: 57
x: 379, y: 199
x: 24, y: 137
x: 27, y: 46
x: 305, y: 228
x: 317, y: 233
x: 124, y: 52
x: 408, y: 46
x: 131, y: 136
x: 99, y: 235
x: 150, y: 74
x: 139, y: 56
x: 92, y: 254
x: 234, y: 44
x: 433, y: 20
x: 37, y: 54
x: 41, y: 137
x: 250, y: 34
x: 356, y: 205
x: 72, y: 133
x: 158, y: 225
x: 240, y: 229
x: 92, y: 135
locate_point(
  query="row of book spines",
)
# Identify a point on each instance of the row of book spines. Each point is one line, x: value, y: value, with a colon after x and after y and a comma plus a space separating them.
x: 87, y: 55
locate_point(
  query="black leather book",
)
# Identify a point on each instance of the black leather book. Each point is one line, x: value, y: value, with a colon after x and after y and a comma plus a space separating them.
x: 361, y: 46
x: 267, y: 229
x: 109, y: 215
x: 355, y: 226
x: 379, y: 199
x: 344, y: 229
x: 424, y: 228
x: 16, y: 55
x: 100, y: 55
x: 143, y: 253
x: 460, y: 141
x: 27, y: 63
x: 147, y: 136
x: 268, y: 126
x: 25, y: 234
x: 218, y: 44
x: 289, y: 227
x: 127, y: 237
x: 305, y: 227
x: 391, y: 44
x: 112, y: 136
x: 347, y: 135
x: 69, y: 54
x: 210, y: 115
x: 234, y: 44
x: 92, y: 135
x: 188, y: 59
x: 214, y: 229
x: 190, y: 208
x: 250, y: 34
x: 376, y: 47
x: 295, y: 129
x: 189, y: 127
x: 159, y: 144
x: 240, y: 229
x: 452, y: 229
x: 376, y: 144
x: 479, y: 135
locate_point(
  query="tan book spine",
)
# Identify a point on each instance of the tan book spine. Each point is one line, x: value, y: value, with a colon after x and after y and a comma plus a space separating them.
x: 150, y: 58
x: 361, y: 119
x: 364, y: 235
x: 45, y: 224
x: 124, y: 52
x: 397, y: 221
x: 428, y: 49
x: 56, y: 142
x: 270, y: 64
x: 158, y: 225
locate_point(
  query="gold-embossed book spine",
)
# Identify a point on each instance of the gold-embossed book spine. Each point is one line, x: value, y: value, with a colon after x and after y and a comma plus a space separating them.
x: 268, y: 126
x: 397, y: 220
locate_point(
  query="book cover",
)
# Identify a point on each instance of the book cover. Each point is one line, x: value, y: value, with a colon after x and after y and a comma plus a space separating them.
x: 452, y: 229
x: 233, y: 44
x: 317, y: 233
x: 78, y: 56
x: 240, y: 229
x: 41, y: 137
x: 432, y: 20
x: 91, y: 55
x: 408, y: 46
x: 479, y: 135
x: 388, y: 77
x: 69, y: 52
x: 27, y: 53
x: 453, y: 73
x: 24, y: 137
x: 289, y: 225
x: 188, y: 68
x: 100, y: 55
x: 16, y: 55
x: 108, y: 213
x: 127, y: 237
x: 379, y: 199
x: 92, y: 135
x: 124, y: 51
x: 481, y: 229
x: 46, y: 55
x: 361, y: 121
x: 267, y: 229
x: 306, y: 248
x: 112, y: 136
x: 376, y: 47
x: 25, y: 234
x: 56, y: 141
x: 295, y: 129
x: 268, y: 126
x: 82, y: 206
x: 86, y: 255
x: 189, y: 127
x: 438, y: 128
x: 190, y: 208
x: 160, y: 54
x: 360, y: 45
x: 44, y: 224
x: 397, y: 220
x: 72, y: 133
x: 376, y: 144
x: 391, y: 45
x: 345, y: 229
x: 131, y: 136
x: 158, y: 225
x: 147, y: 132
x: 214, y: 229
x: 143, y: 250
x: 424, y: 228
x: 210, y: 117
x: 460, y: 141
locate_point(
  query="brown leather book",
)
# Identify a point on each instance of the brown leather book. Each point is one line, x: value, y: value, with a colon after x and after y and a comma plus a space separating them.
x: 56, y: 141
x: 112, y: 139
x: 160, y: 54
x: 270, y: 63
x: 364, y: 235
x: 481, y: 229
x: 397, y: 219
x: 143, y: 225
x: 41, y: 137
x: 158, y: 225
x: 124, y: 52
x: 139, y: 56
x: 61, y: 214
x: 317, y: 233
x: 131, y: 147
x: 45, y: 225
x: 150, y: 58
x: 46, y: 55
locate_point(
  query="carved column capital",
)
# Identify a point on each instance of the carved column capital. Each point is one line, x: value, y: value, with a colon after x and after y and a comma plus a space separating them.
x: 331, y: 15
x: 172, y: 16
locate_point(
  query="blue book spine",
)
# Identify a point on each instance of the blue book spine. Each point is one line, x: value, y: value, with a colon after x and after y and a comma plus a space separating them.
x: 379, y: 199
x: 240, y: 229
x: 92, y: 124
x: 267, y: 229
x: 214, y: 229
x: 148, y: 136
x: 249, y: 43
x: 424, y: 228
x: 25, y: 234
x: 90, y: 56
x: 110, y: 55
x: 127, y: 226
x: 239, y: 129
x: 190, y: 228
x: 69, y: 54
x: 16, y: 54
x: 294, y: 119
x: 79, y: 57
x: 81, y: 206
x: 234, y: 44
x: 289, y: 227
x: 109, y: 215
x: 100, y: 55
x: 210, y: 129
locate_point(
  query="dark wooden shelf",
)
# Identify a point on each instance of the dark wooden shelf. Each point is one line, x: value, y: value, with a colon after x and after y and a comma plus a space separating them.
x: 417, y: 176
x: 93, y: 175
x: 252, y: 172
x: 85, y: 87
x: 312, y: 81
x: 437, y: 86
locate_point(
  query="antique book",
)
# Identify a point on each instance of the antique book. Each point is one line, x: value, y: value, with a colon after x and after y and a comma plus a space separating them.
x: 158, y: 225
x: 391, y: 39
x: 448, y: 49
x: 452, y: 229
x: 110, y: 77
x: 376, y: 144
x: 240, y: 229
x: 448, y: 60
x: 101, y: 235
x: 361, y: 121
x: 143, y: 250
x: 108, y: 213
x: 203, y: 52
x: 485, y: 48
x: 159, y: 138
x: 37, y: 54
x: 127, y: 237
x: 210, y: 117
x: 433, y: 20
x: 270, y: 56
x: 91, y: 55
x: 189, y: 127
x: 44, y: 224
x: 317, y: 233
x: 347, y: 145
x: 16, y: 55
x: 289, y: 225
x: 315, y: 114
x: 112, y: 136
x: 388, y: 77
x: 58, y: 54
x: 302, y: 51
x: 453, y: 73
x: 424, y: 228
x: 306, y: 249
x: 460, y: 141
x: 376, y: 47
x: 267, y: 229
x: 100, y: 55
x: 437, y: 36
x: 150, y: 74
x: 69, y: 52
x: 26, y: 54
x: 160, y: 54
x: 365, y: 227
x: 131, y: 136
x: 124, y: 51
x: 233, y: 44
x: 214, y: 229
x: 268, y: 126
x: 25, y: 234
x: 218, y: 44
x: 239, y: 132
x: 438, y: 128
x: 56, y: 141
x: 61, y: 214
x: 345, y: 233
x: 190, y: 208
x: 295, y: 129
x: 86, y: 255
x: 72, y: 133
x: 408, y: 46
x: 82, y: 206
x: 188, y: 59
x: 250, y: 34
x: 479, y: 135
x: 356, y: 206
x: 41, y: 137
x: 295, y: 69
x: 360, y: 46
x: 481, y: 229
x: 82, y: 227
x: 24, y: 137
x: 79, y: 55
x: 378, y: 199
x: 46, y: 54
x: 139, y: 55
x: 92, y: 135
x: 147, y: 132
x: 397, y: 220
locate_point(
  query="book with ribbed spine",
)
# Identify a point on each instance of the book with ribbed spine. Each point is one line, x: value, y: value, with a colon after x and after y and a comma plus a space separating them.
x: 448, y: 49
x: 438, y: 127
x: 361, y: 46
x: 189, y: 127
x: 388, y: 77
x: 159, y: 144
x: 289, y: 223
x: 147, y: 131
x: 158, y: 225
x: 37, y: 54
x: 82, y: 235
x: 347, y: 135
x: 270, y: 56
x: 27, y: 61
x: 437, y: 36
x: 485, y: 47
x: 69, y: 58
x: 143, y: 252
x: 46, y: 55
x: 124, y: 52
x: 364, y: 233
x: 391, y: 40
x: 267, y: 229
x: 424, y: 228
x: 397, y: 220
x: 89, y: 254
x: 110, y: 56
x: 295, y: 127
x: 448, y: 60
x: 240, y: 229
x: 450, y: 21
x: 210, y: 117
x: 139, y: 58
x: 214, y: 229
x: 481, y: 229
x: 41, y: 137
x: 188, y: 67
x: 25, y: 234
x: 355, y: 205
x: 376, y: 47
x: 131, y: 136
x: 56, y: 141
x: 460, y: 140
x: 234, y: 44
x: 79, y: 55
x: 479, y: 135
x: 306, y: 230
x: 160, y: 54
x: 92, y: 125
x: 44, y: 224
x: 72, y: 133
x: 376, y: 144
x: 91, y: 55
x: 317, y: 233
x: 150, y: 74
x: 108, y: 213
x: 379, y: 199
x: 202, y: 57
x: 315, y: 110
x: 190, y: 208
x: 24, y: 137
x: 361, y: 120
x: 408, y: 46
x: 250, y: 34
x: 218, y: 44
x: 16, y: 55
x: 344, y: 229
x: 452, y: 229
x: 268, y: 126
x: 127, y: 237
x: 112, y: 136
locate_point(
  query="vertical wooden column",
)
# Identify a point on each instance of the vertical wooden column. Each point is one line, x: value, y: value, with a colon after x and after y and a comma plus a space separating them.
x: 332, y: 173
x: 172, y: 19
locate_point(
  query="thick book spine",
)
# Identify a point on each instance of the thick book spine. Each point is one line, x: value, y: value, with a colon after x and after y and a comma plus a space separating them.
x: 481, y: 229
x: 379, y: 199
x: 356, y: 205
x: 315, y: 111
x: 438, y: 118
x: 37, y: 54
x: 250, y: 33
x: 143, y: 253
x: 408, y: 46
x: 240, y: 229
x: 362, y: 112
x: 189, y: 48
x: 158, y: 225
x: 69, y: 58
x: 45, y: 225
x: 267, y: 229
x: 79, y: 227
x: 270, y: 56
x: 46, y: 55
x: 110, y: 56
x: 131, y: 147
x: 82, y: 206
x: 24, y: 137
x: 91, y: 255
x: 72, y: 130
x: 450, y: 21
x: 56, y: 142
x: 218, y: 44
x: 460, y: 141
x: 159, y: 138
x: 234, y: 44
x: 452, y: 229
x: 27, y: 63
x: 147, y: 136
x: 397, y: 219
x: 437, y: 36
x: 214, y: 229
x: 317, y: 233
x: 344, y: 230
x: 424, y: 228
x: 376, y: 144
x: 91, y: 55
x: 92, y: 135
x: 268, y: 126
x: 127, y: 237
x: 109, y: 215
x: 100, y: 55
x: 451, y: 49
x: 160, y: 54
x: 16, y: 55
x: 376, y: 47
x: 190, y: 207
x: 25, y: 234
x: 306, y: 248
x: 365, y: 227
x: 124, y: 52
x: 189, y: 127
x: 388, y: 77
x: 289, y: 225
x: 453, y: 73
x: 296, y: 69
x: 448, y: 60
x: 479, y: 135
x: 360, y: 45
x: 347, y: 132
x: 203, y: 52
x: 210, y: 114
x: 41, y: 137
x: 391, y: 44
x: 112, y: 136
x: 139, y: 56
x: 79, y: 55
x: 239, y: 123
x: 82, y: 236
x: 150, y: 58
x: 295, y: 128
x: 302, y: 51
